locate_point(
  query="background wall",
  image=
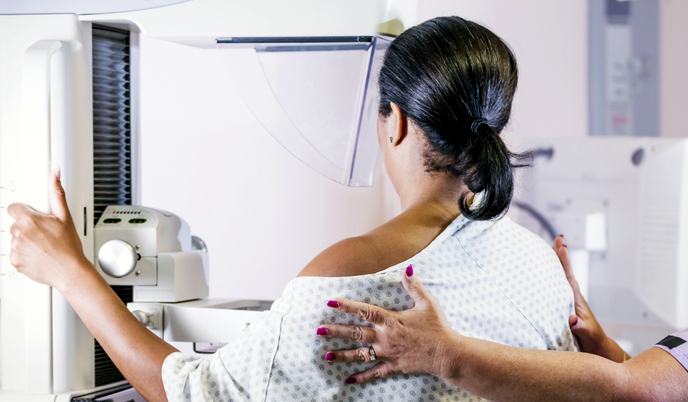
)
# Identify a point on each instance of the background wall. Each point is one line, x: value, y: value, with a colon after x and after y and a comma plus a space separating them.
x: 550, y: 42
x: 264, y: 214
x: 673, y: 72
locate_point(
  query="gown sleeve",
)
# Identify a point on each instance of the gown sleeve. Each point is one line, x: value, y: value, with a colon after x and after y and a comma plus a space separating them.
x: 677, y: 346
x: 239, y: 371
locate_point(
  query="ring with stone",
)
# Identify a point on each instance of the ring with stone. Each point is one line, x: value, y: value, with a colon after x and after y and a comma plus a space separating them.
x: 373, y: 357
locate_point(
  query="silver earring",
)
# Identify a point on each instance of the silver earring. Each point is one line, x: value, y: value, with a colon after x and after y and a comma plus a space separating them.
x: 391, y: 140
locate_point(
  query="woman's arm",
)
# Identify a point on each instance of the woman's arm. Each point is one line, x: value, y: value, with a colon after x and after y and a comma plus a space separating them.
x: 421, y: 340
x: 504, y: 373
x: 47, y: 249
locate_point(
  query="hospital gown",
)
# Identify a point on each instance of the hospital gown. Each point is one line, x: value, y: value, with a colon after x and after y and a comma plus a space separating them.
x: 494, y: 279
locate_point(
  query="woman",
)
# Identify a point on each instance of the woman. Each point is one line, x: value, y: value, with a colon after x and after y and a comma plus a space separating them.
x: 420, y: 340
x: 446, y: 88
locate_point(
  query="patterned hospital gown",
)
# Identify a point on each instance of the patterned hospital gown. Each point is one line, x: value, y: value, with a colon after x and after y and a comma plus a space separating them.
x: 494, y: 279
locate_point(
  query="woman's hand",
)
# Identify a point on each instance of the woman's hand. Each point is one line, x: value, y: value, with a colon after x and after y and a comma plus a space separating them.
x: 46, y: 247
x: 419, y: 340
x: 591, y: 336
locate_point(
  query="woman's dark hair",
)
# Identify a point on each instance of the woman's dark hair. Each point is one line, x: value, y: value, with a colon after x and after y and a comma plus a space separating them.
x: 445, y: 75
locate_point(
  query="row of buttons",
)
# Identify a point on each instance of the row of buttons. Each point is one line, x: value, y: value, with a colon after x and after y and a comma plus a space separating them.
x: 126, y: 212
x: 117, y: 220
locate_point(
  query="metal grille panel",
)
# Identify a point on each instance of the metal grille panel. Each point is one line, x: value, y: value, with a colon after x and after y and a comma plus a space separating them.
x: 111, y: 148
x: 111, y: 119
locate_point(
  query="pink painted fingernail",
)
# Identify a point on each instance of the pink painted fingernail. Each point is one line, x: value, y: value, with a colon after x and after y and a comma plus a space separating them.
x: 409, y: 271
x: 321, y: 331
x: 332, y: 304
x: 350, y: 380
x: 575, y: 322
x: 330, y: 356
x: 561, y: 235
x: 564, y: 245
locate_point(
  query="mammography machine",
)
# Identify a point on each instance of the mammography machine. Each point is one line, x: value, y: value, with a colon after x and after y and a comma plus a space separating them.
x: 68, y: 84
x: 306, y: 69
x: 622, y: 205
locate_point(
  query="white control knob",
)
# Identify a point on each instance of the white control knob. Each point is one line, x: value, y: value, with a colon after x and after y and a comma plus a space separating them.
x: 117, y: 258
x: 142, y: 317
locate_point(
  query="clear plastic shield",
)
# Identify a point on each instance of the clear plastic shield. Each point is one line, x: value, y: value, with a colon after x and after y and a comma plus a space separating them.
x: 317, y: 96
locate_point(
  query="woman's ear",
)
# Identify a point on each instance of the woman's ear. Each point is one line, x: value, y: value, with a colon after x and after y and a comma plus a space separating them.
x: 399, y: 125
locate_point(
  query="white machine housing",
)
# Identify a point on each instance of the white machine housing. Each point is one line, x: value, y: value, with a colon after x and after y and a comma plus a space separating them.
x: 164, y: 268
x: 623, y: 203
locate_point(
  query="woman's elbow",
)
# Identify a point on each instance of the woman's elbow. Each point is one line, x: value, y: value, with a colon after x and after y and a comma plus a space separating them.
x: 648, y: 383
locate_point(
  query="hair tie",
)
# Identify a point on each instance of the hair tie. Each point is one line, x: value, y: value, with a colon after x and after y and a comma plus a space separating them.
x: 477, y: 123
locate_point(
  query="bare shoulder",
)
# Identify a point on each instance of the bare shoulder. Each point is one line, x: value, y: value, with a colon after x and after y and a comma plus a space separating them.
x: 349, y: 257
x: 394, y: 242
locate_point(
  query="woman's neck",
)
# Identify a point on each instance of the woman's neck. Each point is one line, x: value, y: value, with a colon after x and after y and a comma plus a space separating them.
x: 438, y: 195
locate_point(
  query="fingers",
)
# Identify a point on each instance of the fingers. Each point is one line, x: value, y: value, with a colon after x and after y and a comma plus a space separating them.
x: 377, y: 315
x: 563, y: 254
x: 372, y: 314
x: 360, y: 355
x: 14, y: 258
x: 581, y: 329
x: 558, y: 243
x: 414, y: 286
x: 58, y: 200
x: 382, y: 370
x: 354, y: 333
x: 15, y: 231
x: 573, y: 321
x: 18, y: 211
x: 15, y: 251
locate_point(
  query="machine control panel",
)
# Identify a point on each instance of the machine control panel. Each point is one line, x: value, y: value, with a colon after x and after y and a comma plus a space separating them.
x: 152, y: 251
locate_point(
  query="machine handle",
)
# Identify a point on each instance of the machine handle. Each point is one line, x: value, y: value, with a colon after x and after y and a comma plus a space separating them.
x: 36, y: 164
x: 143, y: 317
x: 36, y: 123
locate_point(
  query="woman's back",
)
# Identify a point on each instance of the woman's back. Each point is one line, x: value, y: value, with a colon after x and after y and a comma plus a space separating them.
x: 494, y: 280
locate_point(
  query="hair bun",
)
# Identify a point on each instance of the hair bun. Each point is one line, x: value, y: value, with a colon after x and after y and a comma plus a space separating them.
x: 477, y: 123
